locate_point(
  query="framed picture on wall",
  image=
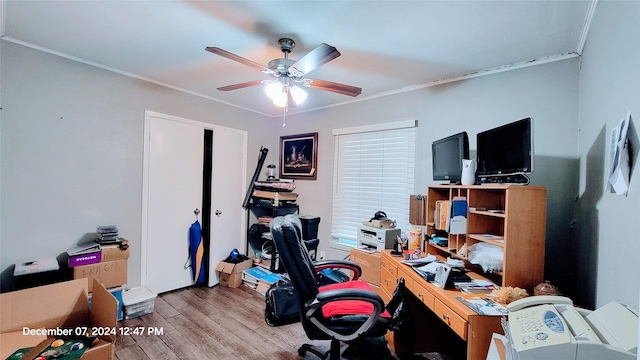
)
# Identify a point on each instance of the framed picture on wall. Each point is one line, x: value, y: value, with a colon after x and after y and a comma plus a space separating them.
x: 299, y: 156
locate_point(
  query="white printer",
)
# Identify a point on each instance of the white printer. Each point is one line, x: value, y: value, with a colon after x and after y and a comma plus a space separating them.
x: 550, y: 327
x: 378, y: 238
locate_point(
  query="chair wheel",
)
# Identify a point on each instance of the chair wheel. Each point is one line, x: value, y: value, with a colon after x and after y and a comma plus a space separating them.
x: 302, y: 350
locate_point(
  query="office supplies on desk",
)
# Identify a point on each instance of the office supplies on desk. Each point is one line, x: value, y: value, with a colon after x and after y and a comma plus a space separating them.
x: 476, y: 287
x: 437, y: 311
x: 421, y: 261
x: 483, y: 305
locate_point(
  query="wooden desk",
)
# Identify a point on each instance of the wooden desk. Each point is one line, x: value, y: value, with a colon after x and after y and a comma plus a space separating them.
x: 440, y: 321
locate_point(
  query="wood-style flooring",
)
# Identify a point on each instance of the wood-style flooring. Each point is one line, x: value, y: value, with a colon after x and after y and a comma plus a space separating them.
x: 210, y: 323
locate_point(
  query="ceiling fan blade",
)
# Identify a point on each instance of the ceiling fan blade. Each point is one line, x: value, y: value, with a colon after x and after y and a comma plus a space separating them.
x: 333, y: 87
x: 240, y: 85
x: 237, y: 58
x: 316, y: 57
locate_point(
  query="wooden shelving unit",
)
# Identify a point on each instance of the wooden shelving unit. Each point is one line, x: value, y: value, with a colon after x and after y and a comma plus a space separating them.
x: 512, y: 217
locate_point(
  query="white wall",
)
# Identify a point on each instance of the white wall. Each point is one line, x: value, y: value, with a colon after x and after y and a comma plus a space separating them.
x: 547, y: 93
x: 609, y: 246
x: 72, y: 151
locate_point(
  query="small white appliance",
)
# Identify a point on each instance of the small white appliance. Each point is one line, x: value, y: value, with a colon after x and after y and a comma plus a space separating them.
x: 378, y: 238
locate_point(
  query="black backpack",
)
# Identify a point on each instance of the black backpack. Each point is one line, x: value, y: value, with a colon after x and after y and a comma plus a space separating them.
x: 282, y: 306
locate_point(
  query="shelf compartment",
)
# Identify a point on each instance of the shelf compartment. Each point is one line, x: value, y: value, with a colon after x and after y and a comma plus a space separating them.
x: 487, y: 238
x: 487, y: 199
x: 483, y: 224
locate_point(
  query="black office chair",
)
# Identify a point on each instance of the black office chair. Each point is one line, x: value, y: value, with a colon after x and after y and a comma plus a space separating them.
x: 345, y: 313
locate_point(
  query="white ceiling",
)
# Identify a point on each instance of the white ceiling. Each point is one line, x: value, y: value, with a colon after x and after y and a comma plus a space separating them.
x: 386, y: 46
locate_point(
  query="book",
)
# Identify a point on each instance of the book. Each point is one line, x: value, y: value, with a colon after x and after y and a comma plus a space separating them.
x: 257, y: 274
x: 260, y: 279
x: 283, y: 196
x: 441, y: 215
x: 86, y: 248
x: 85, y: 259
x: 274, y: 186
x: 85, y: 254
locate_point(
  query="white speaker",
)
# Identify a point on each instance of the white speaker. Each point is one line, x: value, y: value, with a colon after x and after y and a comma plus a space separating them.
x: 468, y: 171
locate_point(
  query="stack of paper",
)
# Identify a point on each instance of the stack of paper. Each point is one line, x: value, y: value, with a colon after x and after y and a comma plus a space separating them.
x: 477, y: 287
x: 259, y: 279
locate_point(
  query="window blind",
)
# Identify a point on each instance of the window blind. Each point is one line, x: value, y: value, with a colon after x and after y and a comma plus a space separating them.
x: 373, y: 171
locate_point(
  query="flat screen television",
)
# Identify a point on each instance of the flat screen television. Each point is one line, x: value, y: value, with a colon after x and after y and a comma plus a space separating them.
x: 506, y: 150
x: 447, y: 155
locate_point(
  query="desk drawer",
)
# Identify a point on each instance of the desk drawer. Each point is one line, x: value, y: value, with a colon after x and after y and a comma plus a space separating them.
x: 389, y: 267
x: 455, y: 322
x: 385, y: 295
x: 402, y: 273
x: 388, y: 281
x: 423, y: 295
x: 370, y: 265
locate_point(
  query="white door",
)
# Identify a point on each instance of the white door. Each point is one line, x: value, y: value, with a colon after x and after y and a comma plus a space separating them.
x: 228, y: 218
x: 174, y: 191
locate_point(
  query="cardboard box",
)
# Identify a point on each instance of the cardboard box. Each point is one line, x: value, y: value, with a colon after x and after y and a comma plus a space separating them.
x: 56, y: 308
x: 370, y: 265
x: 114, y: 252
x: 231, y: 274
x: 108, y: 273
x: 117, y: 293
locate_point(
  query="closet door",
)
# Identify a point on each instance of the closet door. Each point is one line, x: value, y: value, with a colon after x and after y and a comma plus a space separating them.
x: 173, y: 191
x: 228, y: 218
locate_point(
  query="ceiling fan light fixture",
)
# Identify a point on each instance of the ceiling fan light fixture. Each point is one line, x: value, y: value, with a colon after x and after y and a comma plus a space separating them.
x: 280, y: 100
x: 274, y: 90
x: 298, y: 94
x: 287, y: 71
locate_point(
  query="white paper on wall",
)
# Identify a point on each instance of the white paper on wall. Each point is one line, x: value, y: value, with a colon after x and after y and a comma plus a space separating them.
x: 618, y: 181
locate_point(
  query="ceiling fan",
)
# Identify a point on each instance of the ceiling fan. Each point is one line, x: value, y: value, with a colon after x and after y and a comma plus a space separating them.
x: 288, y: 73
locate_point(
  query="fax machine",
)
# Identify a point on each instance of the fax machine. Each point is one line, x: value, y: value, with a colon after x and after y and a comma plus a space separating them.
x: 378, y: 238
x: 550, y: 327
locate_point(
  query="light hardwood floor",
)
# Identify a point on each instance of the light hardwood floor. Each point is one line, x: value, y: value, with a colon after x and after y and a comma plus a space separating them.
x: 209, y: 323
x: 218, y: 323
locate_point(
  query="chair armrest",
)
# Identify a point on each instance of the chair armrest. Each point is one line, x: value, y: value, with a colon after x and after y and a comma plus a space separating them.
x: 326, y: 297
x: 339, y: 264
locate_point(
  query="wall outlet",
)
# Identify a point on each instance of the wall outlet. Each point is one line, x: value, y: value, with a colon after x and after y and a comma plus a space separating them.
x: 322, y: 255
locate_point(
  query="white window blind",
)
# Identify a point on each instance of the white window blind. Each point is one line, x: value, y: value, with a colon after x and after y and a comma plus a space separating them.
x: 373, y: 171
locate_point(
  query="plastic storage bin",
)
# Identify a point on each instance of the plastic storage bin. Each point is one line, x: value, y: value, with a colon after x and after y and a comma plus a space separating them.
x: 138, y: 301
x: 309, y: 226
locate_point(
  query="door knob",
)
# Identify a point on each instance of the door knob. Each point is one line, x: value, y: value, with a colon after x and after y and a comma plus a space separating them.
x: 218, y: 212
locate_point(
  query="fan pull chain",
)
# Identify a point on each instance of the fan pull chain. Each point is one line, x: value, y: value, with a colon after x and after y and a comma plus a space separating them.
x: 284, y: 114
